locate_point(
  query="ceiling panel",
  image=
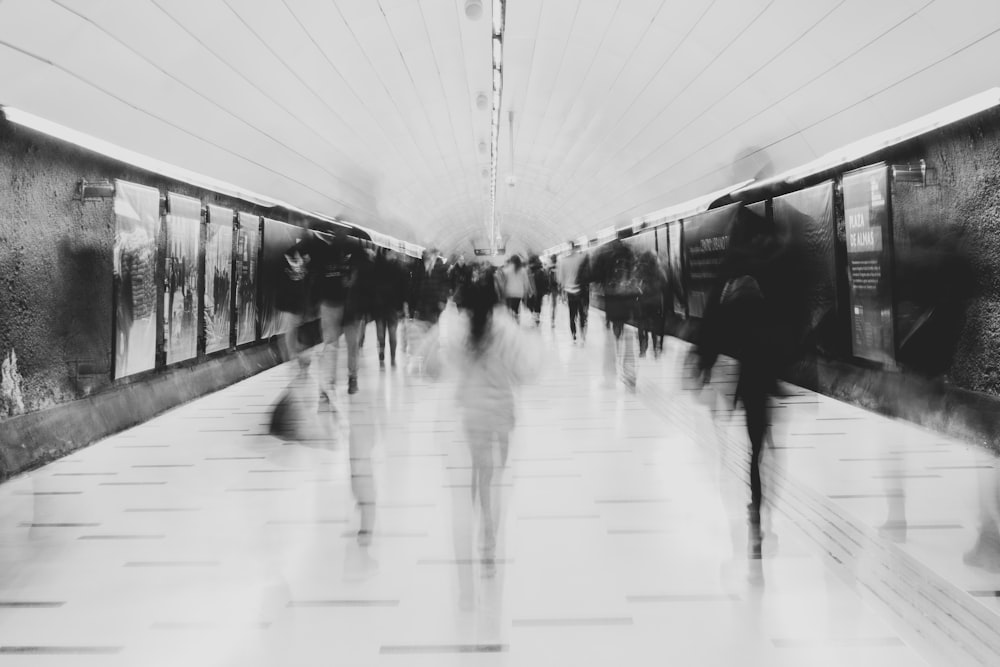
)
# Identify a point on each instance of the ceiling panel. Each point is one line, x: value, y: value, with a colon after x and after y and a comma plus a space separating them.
x: 366, y: 109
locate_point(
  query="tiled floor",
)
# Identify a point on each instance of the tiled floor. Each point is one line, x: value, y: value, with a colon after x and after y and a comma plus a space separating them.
x: 198, y: 539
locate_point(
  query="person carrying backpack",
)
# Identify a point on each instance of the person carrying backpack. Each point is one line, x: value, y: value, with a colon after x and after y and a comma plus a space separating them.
x: 740, y: 321
x: 615, y: 271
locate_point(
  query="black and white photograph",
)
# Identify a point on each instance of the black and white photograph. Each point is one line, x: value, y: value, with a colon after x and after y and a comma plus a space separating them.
x: 247, y: 258
x: 218, y: 278
x: 180, y: 296
x: 136, y: 225
x: 389, y: 333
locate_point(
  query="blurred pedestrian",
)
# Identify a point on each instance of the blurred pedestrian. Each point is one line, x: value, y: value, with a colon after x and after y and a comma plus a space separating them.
x: 574, y: 280
x: 615, y: 271
x: 743, y: 321
x: 389, y: 283
x: 516, y: 284
x: 652, y: 297
x: 429, y: 288
x: 539, y: 278
x: 492, y: 358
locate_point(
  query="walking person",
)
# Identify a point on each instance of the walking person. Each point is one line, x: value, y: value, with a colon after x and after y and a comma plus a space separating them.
x: 539, y: 279
x: 653, y: 292
x: 574, y: 279
x: 550, y: 271
x: 615, y: 271
x: 741, y: 320
x: 492, y: 357
x: 516, y: 283
x: 389, y: 282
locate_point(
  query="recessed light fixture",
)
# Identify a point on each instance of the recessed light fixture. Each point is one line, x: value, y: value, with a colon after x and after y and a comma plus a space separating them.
x: 482, y: 101
x: 473, y: 9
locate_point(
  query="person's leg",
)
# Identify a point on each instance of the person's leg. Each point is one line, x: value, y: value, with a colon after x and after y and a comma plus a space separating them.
x: 331, y: 317
x: 755, y: 404
x: 351, y: 332
x: 574, y: 310
x: 610, y: 352
x: 584, y: 308
x: 290, y: 323
x: 628, y: 357
x: 555, y: 301
x: 642, y: 333
x: 380, y: 325
x: 392, y: 323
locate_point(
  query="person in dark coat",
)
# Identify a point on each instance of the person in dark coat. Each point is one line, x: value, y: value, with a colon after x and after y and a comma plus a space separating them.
x: 651, y: 305
x: 389, y: 284
x: 744, y: 318
x: 429, y: 288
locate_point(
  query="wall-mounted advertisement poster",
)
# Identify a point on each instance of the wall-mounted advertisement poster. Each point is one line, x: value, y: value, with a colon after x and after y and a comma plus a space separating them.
x: 218, y: 277
x: 180, y: 277
x: 137, y: 225
x: 247, y: 249
x: 706, y: 237
x: 279, y: 237
x: 869, y: 248
x: 675, y: 270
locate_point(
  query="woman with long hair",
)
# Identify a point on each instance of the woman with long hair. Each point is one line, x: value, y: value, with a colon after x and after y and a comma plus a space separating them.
x: 492, y: 357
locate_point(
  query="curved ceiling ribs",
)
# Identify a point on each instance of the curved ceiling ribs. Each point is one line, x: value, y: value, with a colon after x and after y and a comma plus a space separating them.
x: 367, y: 110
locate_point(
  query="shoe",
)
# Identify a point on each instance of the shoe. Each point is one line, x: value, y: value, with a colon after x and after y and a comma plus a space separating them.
x: 489, y: 569
x: 352, y: 385
x: 364, y: 538
x: 393, y: 362
x: 381, y: 363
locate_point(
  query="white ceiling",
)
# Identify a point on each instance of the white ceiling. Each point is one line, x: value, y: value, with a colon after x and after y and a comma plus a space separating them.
x: 365, y: 109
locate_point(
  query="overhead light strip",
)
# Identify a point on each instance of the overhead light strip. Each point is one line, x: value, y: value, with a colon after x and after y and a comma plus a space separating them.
x: 499, y: 7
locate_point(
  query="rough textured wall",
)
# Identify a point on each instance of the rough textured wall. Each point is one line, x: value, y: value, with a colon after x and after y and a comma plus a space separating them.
x: 55, y: 274
x: 56, y: 299
x: 955, y: 219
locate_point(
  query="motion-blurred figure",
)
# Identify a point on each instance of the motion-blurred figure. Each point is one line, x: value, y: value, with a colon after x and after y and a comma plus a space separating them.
x: 985, y: 553
x: 550, y: 271
x: 428, y: 288
x: 615, y: 271
x: 573, y: 275
x: 516, y: 284
x: 741, y: 320
x: 651, y: 315
x: 389, y: 282
x: 491, y: 357
x: 539, y: 278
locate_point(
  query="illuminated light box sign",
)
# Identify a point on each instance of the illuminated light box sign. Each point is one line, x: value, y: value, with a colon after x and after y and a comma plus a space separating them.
x: 869, y: 257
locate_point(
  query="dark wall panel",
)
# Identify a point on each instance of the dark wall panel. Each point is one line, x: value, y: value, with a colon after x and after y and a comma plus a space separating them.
x: 807, y: 217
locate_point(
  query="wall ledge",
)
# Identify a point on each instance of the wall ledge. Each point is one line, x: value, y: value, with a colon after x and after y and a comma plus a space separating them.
x: 31, y: 440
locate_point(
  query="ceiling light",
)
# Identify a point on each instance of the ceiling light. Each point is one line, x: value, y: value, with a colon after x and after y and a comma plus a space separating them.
x: 474, y: 9
x: 482, y: 101
x: 498, y: 17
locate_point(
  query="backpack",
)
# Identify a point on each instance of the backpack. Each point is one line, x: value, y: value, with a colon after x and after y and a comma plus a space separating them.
x: 622, y: 278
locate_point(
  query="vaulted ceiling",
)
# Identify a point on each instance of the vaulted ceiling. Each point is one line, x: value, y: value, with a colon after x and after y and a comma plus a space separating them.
x: 366, y: 110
